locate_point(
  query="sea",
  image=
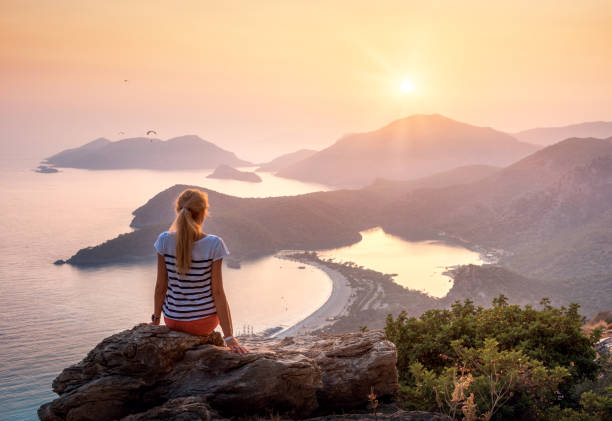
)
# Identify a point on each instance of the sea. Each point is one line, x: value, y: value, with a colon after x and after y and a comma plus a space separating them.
x: 53, y: 315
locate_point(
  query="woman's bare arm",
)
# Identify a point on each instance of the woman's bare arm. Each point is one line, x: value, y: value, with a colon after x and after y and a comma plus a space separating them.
x: 161, y: 286
x: 222, y: 306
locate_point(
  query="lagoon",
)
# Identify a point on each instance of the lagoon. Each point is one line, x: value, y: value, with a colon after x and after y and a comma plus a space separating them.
x: 418, y: 265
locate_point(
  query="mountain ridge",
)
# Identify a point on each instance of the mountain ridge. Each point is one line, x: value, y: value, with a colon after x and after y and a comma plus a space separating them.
x: 411, y: 147
x: 286, y: 160
x: 548, y: 135
x: 527, y: 208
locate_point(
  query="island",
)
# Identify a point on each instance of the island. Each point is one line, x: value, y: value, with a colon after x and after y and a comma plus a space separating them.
x: 178, y: 153
x: 225, y: 172
x: 45, y: 169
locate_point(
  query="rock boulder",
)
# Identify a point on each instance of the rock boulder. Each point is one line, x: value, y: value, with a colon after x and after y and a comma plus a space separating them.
x: 151, y: 372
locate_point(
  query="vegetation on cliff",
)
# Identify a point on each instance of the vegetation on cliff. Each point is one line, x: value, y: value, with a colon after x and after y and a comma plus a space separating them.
x: 502, y: 362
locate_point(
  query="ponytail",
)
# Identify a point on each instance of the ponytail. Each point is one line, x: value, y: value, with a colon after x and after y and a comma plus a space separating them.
x: 190, y: 205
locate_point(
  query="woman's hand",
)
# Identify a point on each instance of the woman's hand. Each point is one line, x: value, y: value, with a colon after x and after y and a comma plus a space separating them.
x: 235, y: 346
x: 154, y: 320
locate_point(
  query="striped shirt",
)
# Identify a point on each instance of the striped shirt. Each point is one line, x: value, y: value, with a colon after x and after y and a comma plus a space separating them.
x: 189, y: 296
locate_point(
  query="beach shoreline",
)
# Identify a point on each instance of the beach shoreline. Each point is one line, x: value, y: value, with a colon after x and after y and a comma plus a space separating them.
x: 336, y: 306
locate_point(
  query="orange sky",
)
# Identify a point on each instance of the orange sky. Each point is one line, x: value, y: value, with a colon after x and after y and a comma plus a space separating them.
x: 266, y: 77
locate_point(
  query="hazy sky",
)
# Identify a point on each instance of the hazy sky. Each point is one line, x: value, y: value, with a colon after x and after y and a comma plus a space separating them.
x: 266, y: 77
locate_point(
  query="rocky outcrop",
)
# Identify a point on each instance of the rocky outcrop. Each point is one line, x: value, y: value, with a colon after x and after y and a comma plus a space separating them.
x: 190, y: 408
x: 151, y: 372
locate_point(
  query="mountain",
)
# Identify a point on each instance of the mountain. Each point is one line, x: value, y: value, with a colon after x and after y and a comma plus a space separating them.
x: 550, y: 212
x: 286, y: 160
x: 547, y: 218
x: 412, y: 147
x: 459, y: 175
x: 77, y: 154
x: 251, y: 227
x: 255, y: 227
x: 229, y: 173
x: 184, y: 152
x: 550, y: 135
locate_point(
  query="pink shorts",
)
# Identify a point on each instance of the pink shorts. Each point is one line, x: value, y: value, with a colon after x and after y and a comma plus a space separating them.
x: 203, y: 326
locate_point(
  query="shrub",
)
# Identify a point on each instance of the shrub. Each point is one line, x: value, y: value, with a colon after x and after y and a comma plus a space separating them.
x: 483, y: 381
x: 542, y: 355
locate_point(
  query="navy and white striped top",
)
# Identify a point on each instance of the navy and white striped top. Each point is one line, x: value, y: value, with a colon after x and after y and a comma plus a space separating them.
x: 189, y: 296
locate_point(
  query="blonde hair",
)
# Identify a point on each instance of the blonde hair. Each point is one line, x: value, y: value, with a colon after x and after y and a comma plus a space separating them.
x: 190, y: 205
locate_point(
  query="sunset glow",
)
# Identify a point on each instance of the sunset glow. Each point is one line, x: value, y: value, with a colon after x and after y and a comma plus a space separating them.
x: 258, y: 78
x: 369, y: 186
x: 407, y: 86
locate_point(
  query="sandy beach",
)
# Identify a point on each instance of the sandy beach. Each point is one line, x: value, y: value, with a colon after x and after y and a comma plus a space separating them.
x: 336, y: 305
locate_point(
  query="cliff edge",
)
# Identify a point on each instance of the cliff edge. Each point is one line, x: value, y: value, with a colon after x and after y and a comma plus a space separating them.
x: 151, y: 372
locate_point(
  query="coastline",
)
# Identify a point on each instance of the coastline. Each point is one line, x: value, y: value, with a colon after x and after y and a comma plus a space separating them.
x: 362, y: 297
x: 336, y: 306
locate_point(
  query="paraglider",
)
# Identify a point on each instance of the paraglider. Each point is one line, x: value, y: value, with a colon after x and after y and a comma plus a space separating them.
x: 151, y: 132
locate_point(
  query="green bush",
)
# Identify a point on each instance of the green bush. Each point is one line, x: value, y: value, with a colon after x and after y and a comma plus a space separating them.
x: 539, y: 356
x: 482, y: 381
x: 593, y: 407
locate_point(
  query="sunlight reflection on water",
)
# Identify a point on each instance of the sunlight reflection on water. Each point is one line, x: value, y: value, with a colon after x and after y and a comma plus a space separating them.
x: 418, y: 265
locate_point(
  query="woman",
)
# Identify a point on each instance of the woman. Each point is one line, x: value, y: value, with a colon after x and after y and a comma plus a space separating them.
x: 189, y: 286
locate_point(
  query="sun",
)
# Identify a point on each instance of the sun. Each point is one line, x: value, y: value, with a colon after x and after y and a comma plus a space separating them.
x: 406, y: 86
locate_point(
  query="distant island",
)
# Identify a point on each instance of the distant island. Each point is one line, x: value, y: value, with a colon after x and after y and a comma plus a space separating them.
x: 546, y: 217
x: 229, y: 173
x: 549, y: 135
x: 184, y: 152
x: 45, y: 169
x: 286, y: 160
x: 415, y: 146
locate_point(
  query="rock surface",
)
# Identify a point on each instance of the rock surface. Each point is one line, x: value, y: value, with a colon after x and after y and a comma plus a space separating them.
x: 151, y: 372
x: 604, y: 346
x: 183, y: 409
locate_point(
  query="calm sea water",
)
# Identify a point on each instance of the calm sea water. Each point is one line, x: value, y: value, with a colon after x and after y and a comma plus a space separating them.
x: 53, y: 315
x: 417, y: 265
